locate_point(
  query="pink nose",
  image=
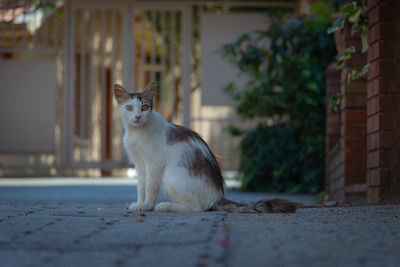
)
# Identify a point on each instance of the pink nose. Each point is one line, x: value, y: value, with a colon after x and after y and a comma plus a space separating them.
x: 138, y: 118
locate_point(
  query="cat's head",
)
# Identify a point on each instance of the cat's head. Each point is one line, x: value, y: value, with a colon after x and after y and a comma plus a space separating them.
x: 135, y: 109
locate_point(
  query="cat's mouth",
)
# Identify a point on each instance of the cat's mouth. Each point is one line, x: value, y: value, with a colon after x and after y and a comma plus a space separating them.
x: 137, y: 122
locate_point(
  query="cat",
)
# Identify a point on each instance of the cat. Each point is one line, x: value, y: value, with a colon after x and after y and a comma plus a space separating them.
x: 177, y: 160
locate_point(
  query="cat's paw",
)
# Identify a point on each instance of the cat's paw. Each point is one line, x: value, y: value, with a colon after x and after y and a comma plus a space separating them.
x: 134, y: 206
x: 141, y: 206
x: 163, y: 207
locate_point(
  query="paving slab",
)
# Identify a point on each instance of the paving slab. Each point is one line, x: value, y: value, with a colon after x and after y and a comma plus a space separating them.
x: 89, y: 225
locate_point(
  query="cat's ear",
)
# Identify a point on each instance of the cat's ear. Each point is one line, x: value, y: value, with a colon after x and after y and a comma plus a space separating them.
x: 150, y: 91
x: 121, y: 95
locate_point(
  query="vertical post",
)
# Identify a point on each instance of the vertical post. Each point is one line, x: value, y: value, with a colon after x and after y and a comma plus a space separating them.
x: 56, y: 42
x: 69, y: 85
x: 163, y: 55
x: 187, y: 62
x: 153, y: 46
x: 82, y: 77
x: 172, y: 62
x: 128, y: 48
x: 143, y: 43
x: 3, y: 24
x: 103, y: 89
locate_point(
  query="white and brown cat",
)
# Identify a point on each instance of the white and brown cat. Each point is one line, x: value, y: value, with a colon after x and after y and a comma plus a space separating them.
x: 177, y: 160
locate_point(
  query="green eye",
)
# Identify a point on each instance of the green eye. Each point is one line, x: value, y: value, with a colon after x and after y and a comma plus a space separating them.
x: 129, y: 107
x: 145, y: 107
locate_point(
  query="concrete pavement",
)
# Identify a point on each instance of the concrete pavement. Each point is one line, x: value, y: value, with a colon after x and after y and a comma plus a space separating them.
x: 87, y: 224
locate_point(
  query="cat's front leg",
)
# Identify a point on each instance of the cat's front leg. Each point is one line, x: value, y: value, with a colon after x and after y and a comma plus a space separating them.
x: 153, y: 184
x: 141, y: 189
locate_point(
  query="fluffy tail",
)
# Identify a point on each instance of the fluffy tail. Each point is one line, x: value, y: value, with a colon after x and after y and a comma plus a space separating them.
x: 263, y: 206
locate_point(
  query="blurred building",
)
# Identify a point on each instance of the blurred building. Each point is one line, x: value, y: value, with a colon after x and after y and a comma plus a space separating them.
x: 59, y: 60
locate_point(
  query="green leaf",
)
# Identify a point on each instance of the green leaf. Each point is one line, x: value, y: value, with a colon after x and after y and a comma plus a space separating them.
x: 60, y: 13
x: 229, y: 88
x: 339, y: 23
x: 339, y: 64
x: 334, y: 103
x: 349, y: 8
x: 364, y: 41
x: 355, y: 17
x: 234, y: 131
x: 347, y: 53
x: 355, y: 28
x: 365, y: 69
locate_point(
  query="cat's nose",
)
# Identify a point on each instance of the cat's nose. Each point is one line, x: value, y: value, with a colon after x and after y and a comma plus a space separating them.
x: 138, y: 117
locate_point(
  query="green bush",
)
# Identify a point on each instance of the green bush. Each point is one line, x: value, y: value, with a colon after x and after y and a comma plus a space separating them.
x: 285, y: 65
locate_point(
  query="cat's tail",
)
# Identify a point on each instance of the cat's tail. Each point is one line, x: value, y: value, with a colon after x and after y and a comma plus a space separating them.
x: 275, y: 205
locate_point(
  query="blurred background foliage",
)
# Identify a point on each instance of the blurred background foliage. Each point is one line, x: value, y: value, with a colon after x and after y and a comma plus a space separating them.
x: 285, y: 67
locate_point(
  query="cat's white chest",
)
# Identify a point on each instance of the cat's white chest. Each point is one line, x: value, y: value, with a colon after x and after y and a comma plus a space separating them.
x: 146, y: 145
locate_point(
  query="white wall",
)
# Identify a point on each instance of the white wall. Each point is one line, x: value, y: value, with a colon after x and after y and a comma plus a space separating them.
x: 27, y: 105
x: 216, y: 31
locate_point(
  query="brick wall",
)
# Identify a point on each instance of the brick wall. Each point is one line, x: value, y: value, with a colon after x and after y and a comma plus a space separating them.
x: 332, y: 119
x: 383, y: 92
x: 346, y: 163
x: 332, y: 146
x: 358, y: 166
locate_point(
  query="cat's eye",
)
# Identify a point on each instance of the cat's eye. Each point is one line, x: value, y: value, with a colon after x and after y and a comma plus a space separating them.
x: 145, y: 107
x: 129, y: 107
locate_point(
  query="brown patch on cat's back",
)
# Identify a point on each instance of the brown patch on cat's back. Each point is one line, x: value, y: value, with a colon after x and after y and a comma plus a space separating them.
x: 198, y: 164
x: 176, y: 134
x: 201, y: 166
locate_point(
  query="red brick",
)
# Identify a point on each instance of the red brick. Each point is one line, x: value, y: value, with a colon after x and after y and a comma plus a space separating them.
x: 358, y: 179
x: 383, y: 103
x: 354, y: 170
x: 372, y: 106
x: 388, y: 139
x: 354, y: 87
x: 383, y: 121
x: 372, y: 124
x: 381, y: 31
x: 331, y: 142
x: 378, y: 158
x: 389, y: 121
x: 379, y: 177
x: 372, y: 141
x: 357, y: 60
x: 332, y: 119
x: 381, y: 13
x: 358, y: 101
x: 354, y: 130
x: 354, y: 143
x: 354, y: 116
x: 389, y: 103
x: 374, y: 194
x: 382, y: 67
x: 353, y: 41
x: 385, y: 49
x: 384, y: 85
x: 371, y: 3
x: 354, y: 157
x: 373, y: 159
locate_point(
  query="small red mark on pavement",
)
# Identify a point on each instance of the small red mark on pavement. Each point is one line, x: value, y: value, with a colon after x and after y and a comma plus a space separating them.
x: 223, y: 241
